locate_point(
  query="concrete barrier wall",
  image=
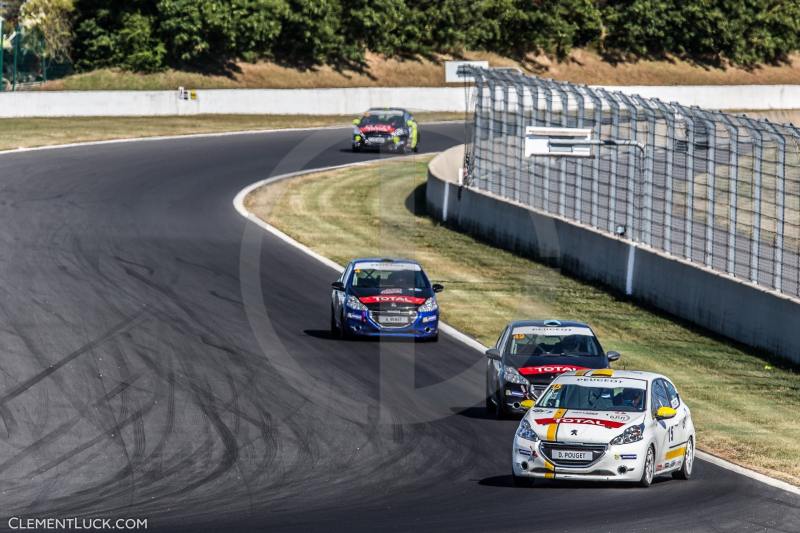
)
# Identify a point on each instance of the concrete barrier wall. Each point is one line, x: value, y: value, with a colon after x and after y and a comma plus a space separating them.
x: 228, y: 101
x: 739, y: 311
x: 347, y: 101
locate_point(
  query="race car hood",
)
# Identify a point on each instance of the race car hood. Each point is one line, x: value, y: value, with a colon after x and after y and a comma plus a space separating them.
x: 553, y: 364
x: 572, y: 425
x: 387, y: 295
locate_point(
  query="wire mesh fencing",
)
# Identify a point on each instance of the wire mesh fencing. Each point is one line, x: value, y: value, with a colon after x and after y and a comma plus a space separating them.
x: 719, y: 190
x: 24, y: 61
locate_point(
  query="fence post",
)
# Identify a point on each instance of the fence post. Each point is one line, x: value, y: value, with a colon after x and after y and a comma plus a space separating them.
x: 780, y: 200
x: 758, y: 152
x: 579, y: 118
x: 711, y: 133
x: 649, y: 168
x: 519, y: 157
x: 633, y: 130
x: 548, y: 121
x: 733, y: 194
x: 669, y: 118
x: 597, y: 102
x: 470, y: 159
x: 562, y: 163
x: 612, y: 183
x: 689, y: 171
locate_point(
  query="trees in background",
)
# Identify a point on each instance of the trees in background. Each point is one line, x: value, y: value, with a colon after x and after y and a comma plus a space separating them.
x: 149, y: 35
x: 52, y: 20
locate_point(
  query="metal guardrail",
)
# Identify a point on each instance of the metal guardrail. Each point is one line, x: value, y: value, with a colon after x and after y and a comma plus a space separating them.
x: 719, y: 190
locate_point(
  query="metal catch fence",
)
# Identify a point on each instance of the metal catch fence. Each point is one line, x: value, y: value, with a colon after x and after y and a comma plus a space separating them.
x: 719, y: 190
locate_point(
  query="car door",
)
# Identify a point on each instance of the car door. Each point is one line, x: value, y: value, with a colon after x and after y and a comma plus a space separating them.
x: 494, y: 369
x: 677, y: 426
x: 338, y: 297
x: 660, y: 428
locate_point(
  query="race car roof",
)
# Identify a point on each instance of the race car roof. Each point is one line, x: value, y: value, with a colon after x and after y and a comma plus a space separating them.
x: 612, y: 374
x: 603, y: 380
x: 549, y: 323
x: 373, y: 262
x: 386, y: 110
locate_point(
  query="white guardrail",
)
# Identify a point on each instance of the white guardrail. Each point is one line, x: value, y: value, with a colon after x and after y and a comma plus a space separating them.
x: 345, y: 101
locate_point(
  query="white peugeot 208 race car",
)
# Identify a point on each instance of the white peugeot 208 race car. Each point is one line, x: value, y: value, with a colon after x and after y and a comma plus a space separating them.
x: 605, y: 425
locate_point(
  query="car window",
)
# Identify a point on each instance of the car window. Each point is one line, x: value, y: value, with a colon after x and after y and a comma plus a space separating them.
x: 346, y: 273
x: 499, y: 343
x: 593, y: 398
x: 389, y: 278
x: 674, y: 399
x: 659, y: 395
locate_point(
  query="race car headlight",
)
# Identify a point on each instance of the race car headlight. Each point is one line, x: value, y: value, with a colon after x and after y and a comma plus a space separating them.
x: 525, y: 431
x: 632, y: 434
x: 399, y: 131
x: 356, y: 130
x: 429, y: 305
x: 511, y: 375
x: 353, y: 303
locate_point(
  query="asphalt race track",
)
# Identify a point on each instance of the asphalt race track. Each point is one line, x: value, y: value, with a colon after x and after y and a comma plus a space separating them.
x: 162, y: 358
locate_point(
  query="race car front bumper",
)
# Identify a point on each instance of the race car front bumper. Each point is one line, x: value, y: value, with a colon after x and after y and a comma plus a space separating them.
x: 362, y: 323
x: 395, y: 143
x: 616, y: 463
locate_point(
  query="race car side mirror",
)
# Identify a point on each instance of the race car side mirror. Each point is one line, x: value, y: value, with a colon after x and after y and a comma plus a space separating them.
x: 663, y: 413
x: 338, y: 285
x: 355, y: 122
x: 438, y: 287
x: 493, y: 353
x: 613, y: 356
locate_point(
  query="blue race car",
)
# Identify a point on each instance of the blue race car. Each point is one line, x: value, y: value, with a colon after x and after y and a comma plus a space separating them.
x: 385, y: 297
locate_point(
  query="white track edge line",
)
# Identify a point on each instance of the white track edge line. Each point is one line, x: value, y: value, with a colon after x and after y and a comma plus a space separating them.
x: 238, y: 203
x: 23, y: 149
x: 741, y: 470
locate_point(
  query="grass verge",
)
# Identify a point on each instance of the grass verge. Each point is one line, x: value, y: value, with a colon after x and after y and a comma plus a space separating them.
x: 744, y: 406
x: 30, y: 132
x: 581, y: 66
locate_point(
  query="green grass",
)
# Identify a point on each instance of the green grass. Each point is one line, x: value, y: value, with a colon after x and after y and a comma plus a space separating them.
x: 744, y: 406
x: 30, y: 132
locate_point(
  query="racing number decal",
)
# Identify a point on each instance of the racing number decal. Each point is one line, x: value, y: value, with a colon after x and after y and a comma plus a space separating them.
x: 671, y: 432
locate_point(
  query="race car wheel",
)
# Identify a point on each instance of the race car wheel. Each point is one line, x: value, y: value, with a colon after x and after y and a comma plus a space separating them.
x: 335, y: 331
x: 649, y: 470
x: 499, y: 410
x: 688, y: 462
x: 521, y: 481
x: 344, y: 332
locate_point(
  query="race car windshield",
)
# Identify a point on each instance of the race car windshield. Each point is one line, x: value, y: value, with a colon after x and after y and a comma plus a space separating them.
x: 392, y: 120
x: 527, y: 344
x: 569, y: 396
x: 389, y: 280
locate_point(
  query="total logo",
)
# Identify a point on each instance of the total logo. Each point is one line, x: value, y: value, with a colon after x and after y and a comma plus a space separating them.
x: 610, y: 424
x: 549, y: 369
